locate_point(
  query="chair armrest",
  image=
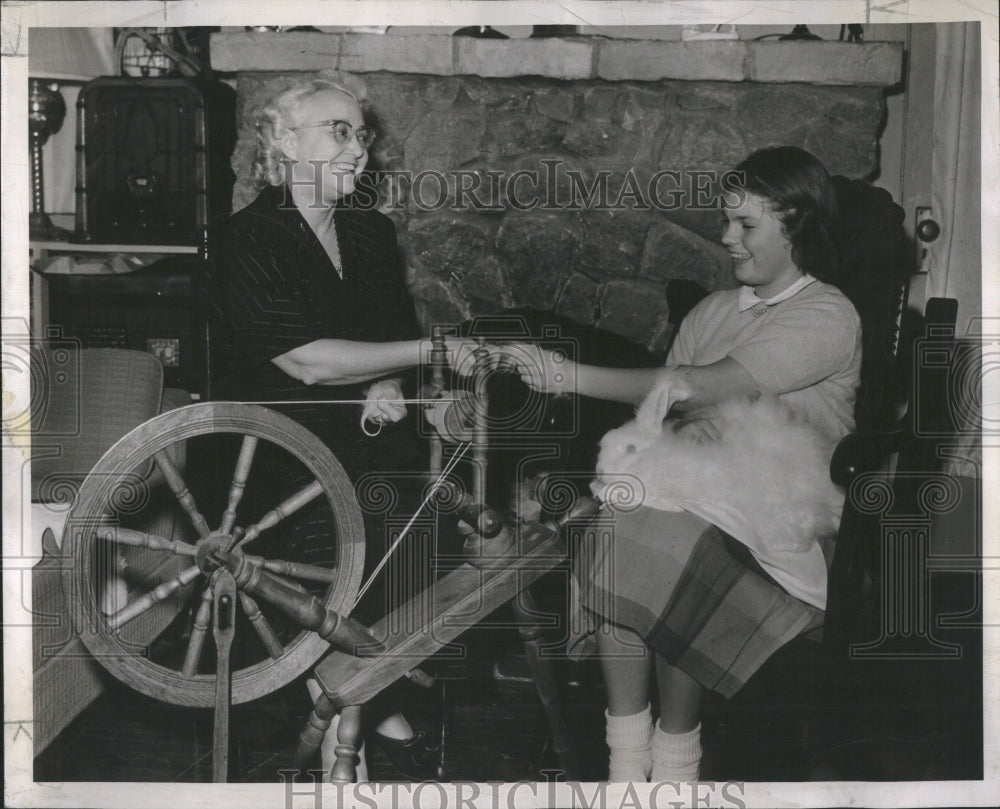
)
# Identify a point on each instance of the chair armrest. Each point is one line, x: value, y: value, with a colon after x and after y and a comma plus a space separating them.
x: 852, y: 596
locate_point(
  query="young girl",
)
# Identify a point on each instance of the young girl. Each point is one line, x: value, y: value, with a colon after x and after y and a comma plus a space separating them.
x: 673, y: 592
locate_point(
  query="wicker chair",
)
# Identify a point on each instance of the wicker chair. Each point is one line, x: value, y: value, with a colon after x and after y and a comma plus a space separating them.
x: 83, y: 401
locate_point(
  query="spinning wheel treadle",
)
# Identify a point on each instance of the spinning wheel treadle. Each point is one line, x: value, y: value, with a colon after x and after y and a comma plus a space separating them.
x: 128, y: 638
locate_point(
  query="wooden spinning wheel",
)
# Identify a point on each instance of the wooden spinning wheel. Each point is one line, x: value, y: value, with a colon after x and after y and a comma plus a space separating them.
x: 98, y: 545
x: 262, y: 606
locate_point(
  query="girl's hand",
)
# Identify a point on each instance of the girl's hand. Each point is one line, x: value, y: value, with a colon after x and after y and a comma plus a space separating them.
x: 698, y: 430
x: 384, y: 402
x: 540, y: 369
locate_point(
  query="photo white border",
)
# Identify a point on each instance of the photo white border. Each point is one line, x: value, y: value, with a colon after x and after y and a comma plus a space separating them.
x: 18, y: 18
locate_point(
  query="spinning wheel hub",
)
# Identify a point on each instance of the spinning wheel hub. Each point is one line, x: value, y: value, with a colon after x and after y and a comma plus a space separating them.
x: 207, y: 552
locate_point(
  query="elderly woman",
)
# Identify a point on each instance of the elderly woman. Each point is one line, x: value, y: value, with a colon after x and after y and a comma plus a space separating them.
x: 680, y: 596
x: 313, y: 306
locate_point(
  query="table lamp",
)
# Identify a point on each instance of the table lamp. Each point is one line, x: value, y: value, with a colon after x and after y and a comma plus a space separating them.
x: 57, y: 56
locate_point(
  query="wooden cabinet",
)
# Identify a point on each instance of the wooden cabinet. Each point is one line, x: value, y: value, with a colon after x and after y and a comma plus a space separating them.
x: 155, y: 309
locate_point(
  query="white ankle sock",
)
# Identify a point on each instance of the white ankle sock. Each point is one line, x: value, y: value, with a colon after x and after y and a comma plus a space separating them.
x: 676, y: 756
x: 628, y: 739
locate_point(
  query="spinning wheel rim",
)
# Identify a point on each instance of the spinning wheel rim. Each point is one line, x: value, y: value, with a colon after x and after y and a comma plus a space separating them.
x: 137, y: 447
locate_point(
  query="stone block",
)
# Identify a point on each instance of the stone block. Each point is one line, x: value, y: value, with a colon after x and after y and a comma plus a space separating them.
x: 600, y: 102
x: 544, y: 182
x: 634, y: 309
x: 396, y: 101
x: 367, y: 53
x: 556, y: 103
x: 500, y: 96
x: 673, y: 252
x: 768, y: 112
x: 436, y: 301
x: 448, y: 243
x: 612, y: 243
x: 601, y: 139
x: 486, y: 286
x: 811, y: 62
x: 578, y: 299
x: 516, y: 133
x: 639, y: 111
x: 275, y: 50
x: 845, y: 134
x: 554, y: 58
x: 539, y: 249
x: 443, y: 92
x: 708, y: 142
x: 852, y: 156
x: 623, y: 60
x: 444, y: 140
x: 699, y: 97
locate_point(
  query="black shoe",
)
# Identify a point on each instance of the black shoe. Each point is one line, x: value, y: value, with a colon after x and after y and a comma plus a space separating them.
x: 416, y: 758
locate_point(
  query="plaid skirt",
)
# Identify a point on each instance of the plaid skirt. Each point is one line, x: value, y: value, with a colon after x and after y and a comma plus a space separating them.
x: 694, y: 594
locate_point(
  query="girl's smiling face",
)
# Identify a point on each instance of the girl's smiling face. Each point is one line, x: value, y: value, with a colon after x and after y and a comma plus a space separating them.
x: 318, y: 156
x: 760, y: 250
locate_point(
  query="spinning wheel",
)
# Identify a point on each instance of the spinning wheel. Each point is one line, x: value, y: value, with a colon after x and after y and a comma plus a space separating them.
x: 272, y: 579
x: 141, y: 472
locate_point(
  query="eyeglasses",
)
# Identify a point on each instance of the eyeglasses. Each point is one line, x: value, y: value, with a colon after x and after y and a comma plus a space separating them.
x: 343, y: 131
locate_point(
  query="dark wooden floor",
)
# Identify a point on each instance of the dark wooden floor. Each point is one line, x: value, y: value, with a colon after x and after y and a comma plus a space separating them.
x: 779, y: 728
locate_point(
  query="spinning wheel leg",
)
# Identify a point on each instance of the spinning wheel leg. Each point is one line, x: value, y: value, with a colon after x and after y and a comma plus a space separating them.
x: 317, y: 735
x: 315, y: 730
x: 348, y: 744
x: 545, y: 682
x: 224, y: 598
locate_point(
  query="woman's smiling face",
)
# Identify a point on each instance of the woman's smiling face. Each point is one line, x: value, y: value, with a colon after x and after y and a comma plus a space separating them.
x: 760, y: 250
x: 318, y: 158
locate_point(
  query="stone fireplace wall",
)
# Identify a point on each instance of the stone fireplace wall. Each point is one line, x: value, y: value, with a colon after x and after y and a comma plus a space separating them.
x: 527, y: 149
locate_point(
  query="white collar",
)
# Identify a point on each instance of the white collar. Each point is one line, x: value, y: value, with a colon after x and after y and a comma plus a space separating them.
x: 748, y: 298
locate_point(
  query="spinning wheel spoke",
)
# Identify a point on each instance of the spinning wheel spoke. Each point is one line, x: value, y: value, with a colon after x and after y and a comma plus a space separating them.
x: 282, y: 511
x: 261, y: 626
x: 298, y: 570
x: 138, y: 539
x: 240, y: 475
x: 180, y: 490
x: 193, y: 654
x: 146, y: 602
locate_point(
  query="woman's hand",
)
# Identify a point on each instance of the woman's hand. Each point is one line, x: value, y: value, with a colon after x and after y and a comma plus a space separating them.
x: 540, y: 369
x: 384, y: 402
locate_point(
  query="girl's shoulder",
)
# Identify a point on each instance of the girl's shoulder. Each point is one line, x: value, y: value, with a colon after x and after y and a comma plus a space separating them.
x: 820, y: 293
x: 720, y: 302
